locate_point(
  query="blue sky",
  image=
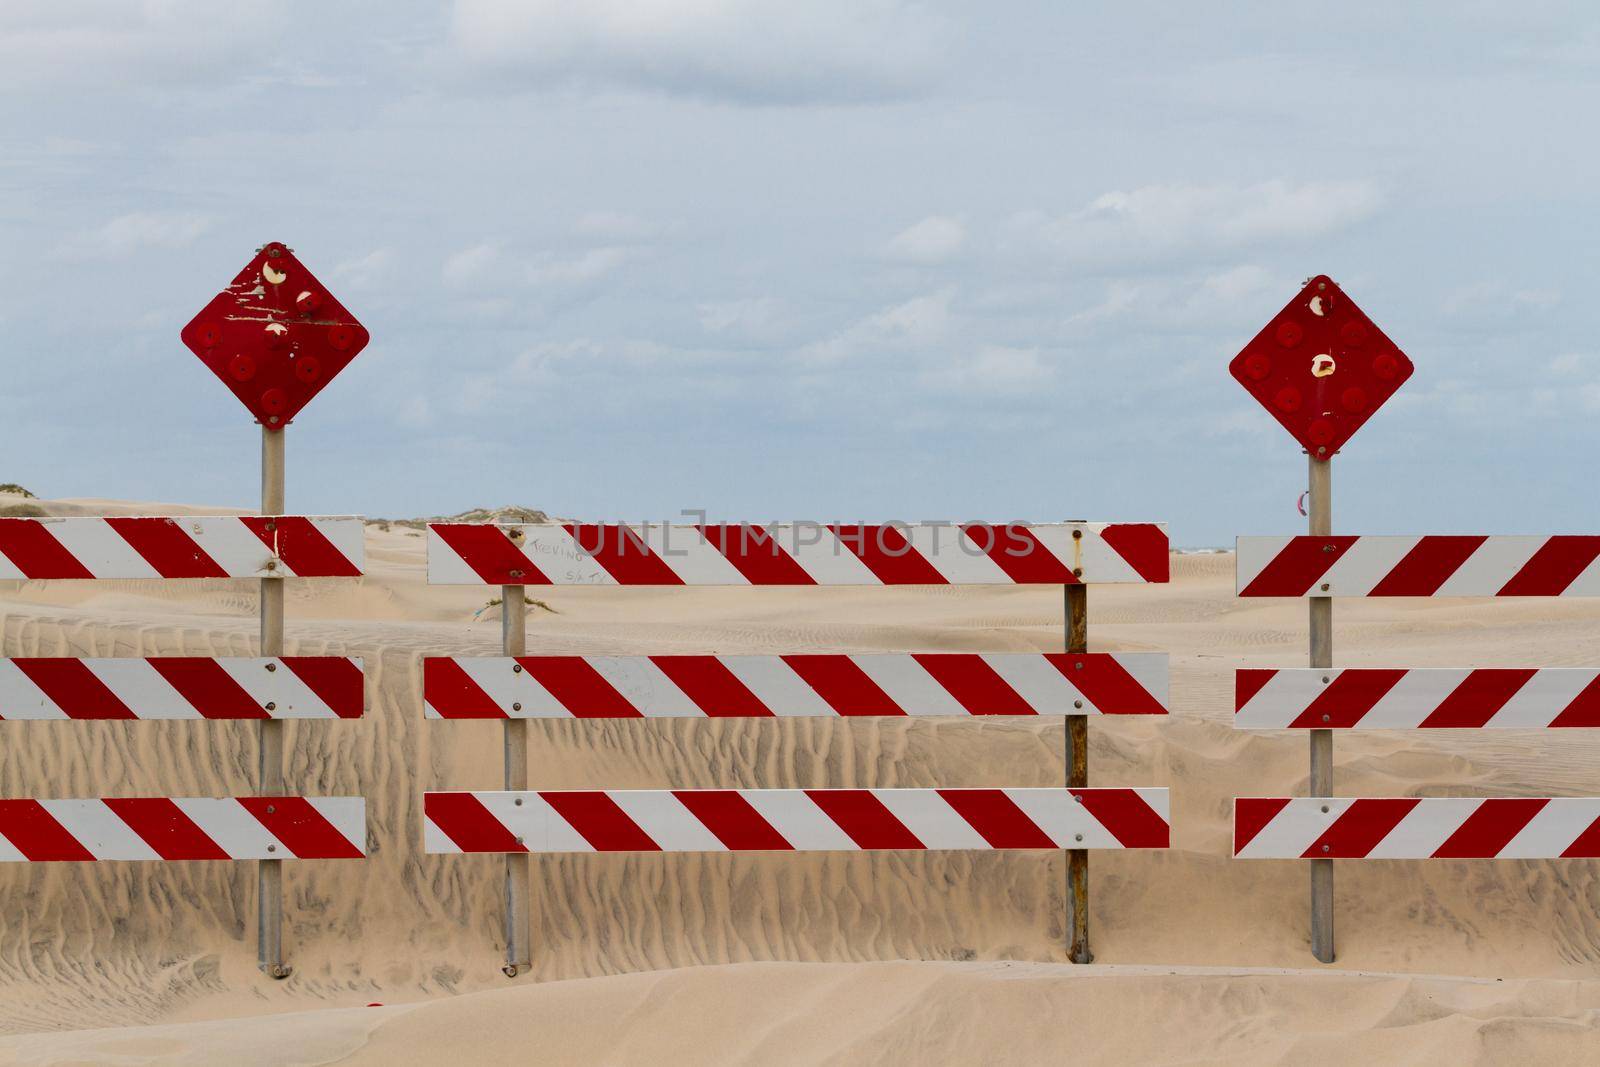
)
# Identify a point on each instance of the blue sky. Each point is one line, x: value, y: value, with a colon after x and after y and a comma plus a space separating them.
x: 848, y: 259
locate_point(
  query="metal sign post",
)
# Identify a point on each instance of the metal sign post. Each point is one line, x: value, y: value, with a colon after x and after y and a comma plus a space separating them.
x: 275, y: 337
x: 269, y: 766
x: 1077, y: 604
x: 514, y: 642
x: 1321, y: 368
x: 1320, y: 508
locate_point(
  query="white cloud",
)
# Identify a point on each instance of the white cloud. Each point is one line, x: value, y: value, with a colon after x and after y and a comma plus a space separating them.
x: 994, y: 369
x: 757, y: 318
x: 414, y: 412
x: 619, y: 227
x: 135, y: 232
x: 1237, y: 284
x: 1165, y: 221
x: 1483, y: 301
x: 77, y: 43
x: 747, y: 51
x: 587, y: 266
x: 541, y: 359
x: 490, y: 267
x: 916, y: 323
x: 1576, y: 379
x: 613, y: 372
x: 1120, y: 298
x: 1227, y: 300
x: 366, y: 272
x: 936, y: 239
x: 471, y: 264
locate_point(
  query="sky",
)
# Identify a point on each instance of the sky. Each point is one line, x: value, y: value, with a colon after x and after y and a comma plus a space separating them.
x: 845, y: 260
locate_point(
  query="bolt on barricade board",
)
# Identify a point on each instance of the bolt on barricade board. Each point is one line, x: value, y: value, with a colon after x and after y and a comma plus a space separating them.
x: 866, y: 684
x: 794, y: 820
x: 182, y: 687
x: 1477, y: 565
x: 797, y: 554
x: 1416, y: 828
x: 1422, y: 698
x: 183, y: 828
x: 196, y: 546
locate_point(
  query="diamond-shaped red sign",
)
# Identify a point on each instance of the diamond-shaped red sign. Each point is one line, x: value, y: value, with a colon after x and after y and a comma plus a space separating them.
x: 275, y: 336
x: 1321, y: 367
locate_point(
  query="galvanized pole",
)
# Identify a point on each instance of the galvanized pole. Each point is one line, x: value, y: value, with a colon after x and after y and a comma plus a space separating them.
x: 514, y: 642
x: 1078, y: 778
x: 1321, y: 525
x: 269, y: 768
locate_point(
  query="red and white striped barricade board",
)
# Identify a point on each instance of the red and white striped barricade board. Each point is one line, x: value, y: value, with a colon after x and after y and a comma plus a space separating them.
x: 182, y: 687
x: 1358, y: 566
x: 183, y: 828
x: 679, y: 686
x: 1413, y: 828
x: 794, y: 820
x: 201, y: 546
x: 1431, y: 698
x: 797, y: 554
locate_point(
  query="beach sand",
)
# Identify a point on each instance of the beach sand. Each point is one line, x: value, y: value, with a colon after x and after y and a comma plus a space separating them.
x: 775, y: 958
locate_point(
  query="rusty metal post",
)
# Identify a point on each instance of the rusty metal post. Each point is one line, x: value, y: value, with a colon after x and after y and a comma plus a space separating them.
x: 1321, y: 626
x: 1077, y: 605
x: 269, y: 766
x: 514, y: 642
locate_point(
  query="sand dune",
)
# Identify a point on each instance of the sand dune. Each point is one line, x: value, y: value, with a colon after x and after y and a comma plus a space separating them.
x: 123, y: 945
x: 994, y: 1013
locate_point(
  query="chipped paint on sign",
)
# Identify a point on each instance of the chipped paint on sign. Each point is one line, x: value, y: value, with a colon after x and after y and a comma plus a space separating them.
x: 275, y: 336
